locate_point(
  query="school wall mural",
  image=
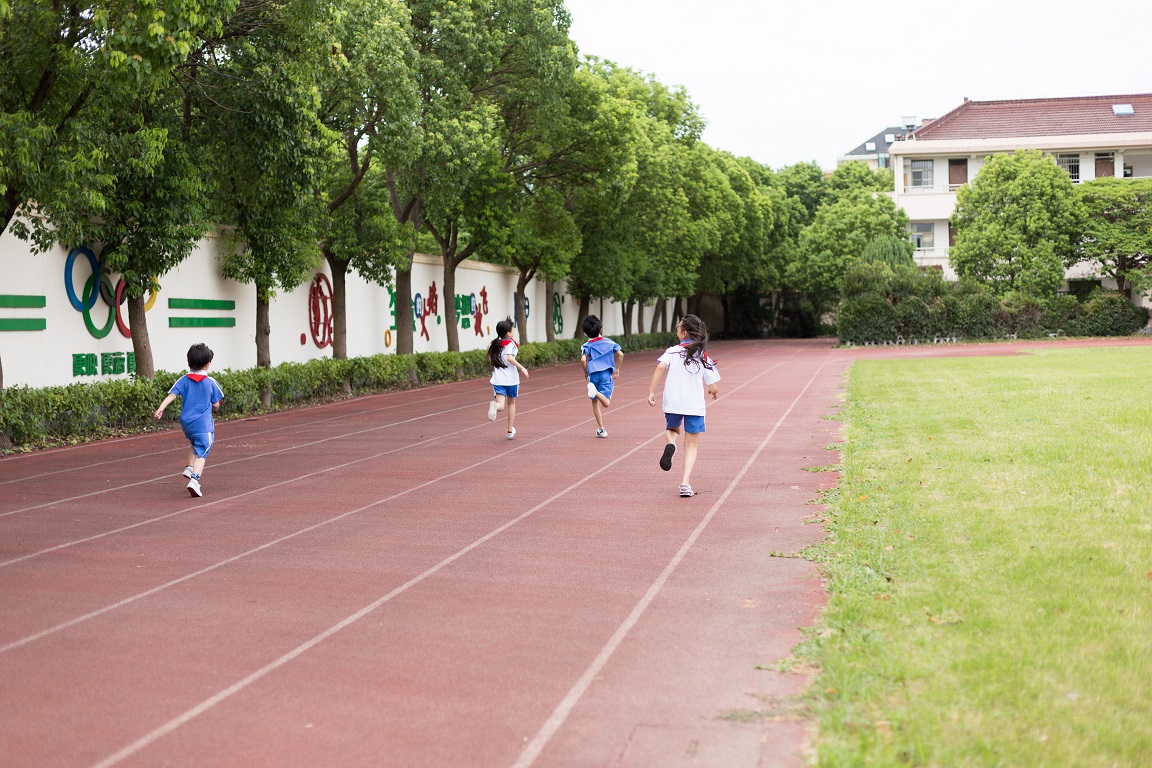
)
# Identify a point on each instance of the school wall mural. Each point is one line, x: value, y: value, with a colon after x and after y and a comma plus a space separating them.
x: 64, y: 319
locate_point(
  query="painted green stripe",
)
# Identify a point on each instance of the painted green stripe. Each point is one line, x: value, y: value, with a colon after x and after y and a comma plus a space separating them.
x: 23, y: 324
x: 201, y: 322
x: 34, y: 302
x: 201, y: 304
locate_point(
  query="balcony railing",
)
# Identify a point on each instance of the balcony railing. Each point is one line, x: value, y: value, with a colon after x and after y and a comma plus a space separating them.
x: 921, y: 189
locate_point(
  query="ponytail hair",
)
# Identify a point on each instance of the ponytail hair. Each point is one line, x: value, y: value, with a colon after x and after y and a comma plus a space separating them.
x: 697, y: 334
x: 502, y: 329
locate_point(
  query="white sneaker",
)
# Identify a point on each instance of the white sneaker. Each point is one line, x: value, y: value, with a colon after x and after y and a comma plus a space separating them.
x: 194, y: 488
x: 686, y: 491
x: 492, y: 411
x: 511, y: 433
x: 592, y: 390
x: 601, y: 432
x: 188, y: 472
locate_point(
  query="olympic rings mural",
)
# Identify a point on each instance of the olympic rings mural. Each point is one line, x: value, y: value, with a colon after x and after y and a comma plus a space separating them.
x: 99, y: 284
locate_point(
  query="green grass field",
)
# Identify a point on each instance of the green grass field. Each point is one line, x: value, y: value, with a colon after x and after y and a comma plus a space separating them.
x: 989, y: 564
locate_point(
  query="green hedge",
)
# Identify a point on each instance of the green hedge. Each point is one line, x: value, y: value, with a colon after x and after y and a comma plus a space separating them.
x: 34, y: 418
x: 885, y: 304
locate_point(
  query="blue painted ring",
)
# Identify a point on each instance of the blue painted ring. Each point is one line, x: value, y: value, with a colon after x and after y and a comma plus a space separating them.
x: 73, y: 299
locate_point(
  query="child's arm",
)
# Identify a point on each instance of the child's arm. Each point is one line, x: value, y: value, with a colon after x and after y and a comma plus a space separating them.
x: 619, y: 359
x: 656, y: 376
x: 713, y: 390
x: 584, y: 364
x: 167, y: 402
x: 516, y: 363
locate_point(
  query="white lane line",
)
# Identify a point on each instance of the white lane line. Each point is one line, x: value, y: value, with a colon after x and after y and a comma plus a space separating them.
x: 220, y: 441
x: 536, y: 745
x: 266, y: 454
x: 240, y: 685
x: 203, y: 505
x: 100, y: 611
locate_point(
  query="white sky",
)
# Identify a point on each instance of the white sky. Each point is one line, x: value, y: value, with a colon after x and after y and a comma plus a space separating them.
x: 786, y: 82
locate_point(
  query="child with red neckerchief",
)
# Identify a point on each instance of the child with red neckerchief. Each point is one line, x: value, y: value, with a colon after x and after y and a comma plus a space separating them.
x: 200, y: 395
x: 690, y: 372
x: 506, y: 372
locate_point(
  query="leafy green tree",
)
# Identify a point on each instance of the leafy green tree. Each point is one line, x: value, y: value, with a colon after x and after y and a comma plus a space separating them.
x: 743, y: 260
x: 837, y: 236
x: 1018, y: 225
x: 857, y: 174
x: 892, y: 250
x: 262, y: 140
x: 1118, y: 232
x: 369, y: 106
x: 84, y: 94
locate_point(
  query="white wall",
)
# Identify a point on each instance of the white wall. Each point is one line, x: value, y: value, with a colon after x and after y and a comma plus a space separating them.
x: 46, y: 357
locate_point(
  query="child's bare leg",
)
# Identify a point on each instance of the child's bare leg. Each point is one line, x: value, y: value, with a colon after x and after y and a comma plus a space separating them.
x: 191, y: 459
x: 689, y: 457
x: 511, y: 412
x: 500, y: 402
x: 601, y: 400
x: 198, y: 465
x: 669, y: 448
x: 670, y: 435
x: 597, y: 413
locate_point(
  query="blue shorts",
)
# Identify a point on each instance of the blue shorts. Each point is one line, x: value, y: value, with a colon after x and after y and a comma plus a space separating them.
x: 507, y: 391
x: 693, y: 425
x: 602, y: 380
x: 201, y: 442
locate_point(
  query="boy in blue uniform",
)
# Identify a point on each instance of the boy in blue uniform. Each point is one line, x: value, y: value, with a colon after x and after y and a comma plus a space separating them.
x: 201, y: 395
x: 601, y: 358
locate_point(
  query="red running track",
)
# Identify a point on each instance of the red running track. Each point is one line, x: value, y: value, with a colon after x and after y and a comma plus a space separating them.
x: 387, y: 581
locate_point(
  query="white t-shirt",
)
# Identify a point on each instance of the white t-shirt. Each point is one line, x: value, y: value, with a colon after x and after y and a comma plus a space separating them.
x: 509, y: 376
x: 684, y: 384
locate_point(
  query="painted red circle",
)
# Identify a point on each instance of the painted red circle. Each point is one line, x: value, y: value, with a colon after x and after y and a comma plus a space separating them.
x: 320, y: 310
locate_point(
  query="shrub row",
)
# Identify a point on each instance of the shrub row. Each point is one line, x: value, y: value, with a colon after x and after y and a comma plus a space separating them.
x: 880, y: 303
x: 38, y: 417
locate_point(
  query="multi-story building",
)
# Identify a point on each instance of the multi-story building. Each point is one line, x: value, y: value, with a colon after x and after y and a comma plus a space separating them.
x: 874, y: 151
x: 1089, y: 137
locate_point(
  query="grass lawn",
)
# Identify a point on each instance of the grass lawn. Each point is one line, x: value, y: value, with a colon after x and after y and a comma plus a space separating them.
x: 989, y: 563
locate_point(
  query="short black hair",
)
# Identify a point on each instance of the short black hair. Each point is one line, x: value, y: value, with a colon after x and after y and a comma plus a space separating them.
x: 591, y: 326
x: 199, y: 356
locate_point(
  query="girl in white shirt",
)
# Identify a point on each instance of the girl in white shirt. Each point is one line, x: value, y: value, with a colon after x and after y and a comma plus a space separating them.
x: 505, y: 374
x: 690, y: 371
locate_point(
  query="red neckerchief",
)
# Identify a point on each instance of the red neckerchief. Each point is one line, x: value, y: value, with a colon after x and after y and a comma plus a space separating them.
x: 708, y: 357
x: 197, y: 376
x: 592, y: 341
x: 506, y: 342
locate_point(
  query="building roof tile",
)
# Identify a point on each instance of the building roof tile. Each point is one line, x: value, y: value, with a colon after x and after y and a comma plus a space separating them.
x: 1079, y: 115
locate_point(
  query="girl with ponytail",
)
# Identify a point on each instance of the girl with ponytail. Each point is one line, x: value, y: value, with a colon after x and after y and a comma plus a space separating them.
x: 506, y: 372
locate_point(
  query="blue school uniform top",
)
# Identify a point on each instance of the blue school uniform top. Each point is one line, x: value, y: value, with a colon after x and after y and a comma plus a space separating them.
x: 601, y: 354
x: 198, y: 391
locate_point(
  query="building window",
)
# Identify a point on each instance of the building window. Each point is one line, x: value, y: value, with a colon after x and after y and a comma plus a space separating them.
x: 1071, y: 164
x: 918, y: 173
x: 922, y: 236
x: 882, y: 160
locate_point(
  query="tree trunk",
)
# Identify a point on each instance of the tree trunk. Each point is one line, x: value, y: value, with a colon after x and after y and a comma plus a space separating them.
x: 339, y: 308
x: 264, y: 344
x: 404, y: 309
x: 549, y: 324
x: 585, y: 305
x: 677, y: 314
x: 626, y: 312
x: 141, y: 344
x: 521, y: 321
x: 639, y: 317
x: 450, y: 303
x: 658, y: 311
x: 724, y: 326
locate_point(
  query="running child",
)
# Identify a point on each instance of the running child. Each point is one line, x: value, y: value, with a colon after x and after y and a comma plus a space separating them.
x: 601, y: 358
x: 200, y: 395
x: 690, y: 371
x: 506, y: 370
